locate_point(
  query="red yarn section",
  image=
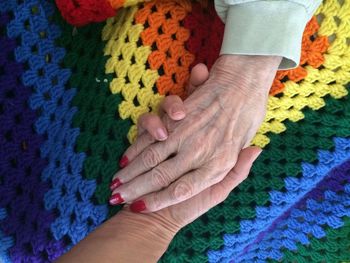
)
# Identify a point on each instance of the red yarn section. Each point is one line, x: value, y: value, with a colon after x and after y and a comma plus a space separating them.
x: 82, y: 12
x: 207, y: 31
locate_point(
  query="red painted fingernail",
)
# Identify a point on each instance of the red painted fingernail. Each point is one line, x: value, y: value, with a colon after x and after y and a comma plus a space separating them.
x: 138, y: 206
x: 114, y: 184
x: 124, y: 161
x: 116, y: 199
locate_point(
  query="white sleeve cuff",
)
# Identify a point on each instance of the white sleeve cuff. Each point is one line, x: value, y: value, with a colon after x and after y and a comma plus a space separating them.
x: 266, y: 28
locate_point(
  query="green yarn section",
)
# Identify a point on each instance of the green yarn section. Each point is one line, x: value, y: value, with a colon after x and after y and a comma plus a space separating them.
x: 102, y: 133
x: 281, y: 158
x: 333, y: 248
x: 103, y: 138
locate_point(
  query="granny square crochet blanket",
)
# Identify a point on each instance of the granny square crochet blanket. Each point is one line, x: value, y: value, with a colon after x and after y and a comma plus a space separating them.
x: 69, y: 100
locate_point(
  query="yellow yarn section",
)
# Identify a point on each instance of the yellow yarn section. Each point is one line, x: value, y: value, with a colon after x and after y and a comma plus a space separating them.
x: 128, y: 62
x: 329, y: 79
x: 137, y: 82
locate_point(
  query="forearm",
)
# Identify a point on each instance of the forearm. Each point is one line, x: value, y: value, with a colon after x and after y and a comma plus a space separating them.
x: 253, y: 73
x: 126, y: 237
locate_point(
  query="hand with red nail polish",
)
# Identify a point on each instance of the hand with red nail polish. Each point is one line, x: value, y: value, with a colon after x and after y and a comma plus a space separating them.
x: 126, y: 236
x: 151, y: 127
x: 222, y: 116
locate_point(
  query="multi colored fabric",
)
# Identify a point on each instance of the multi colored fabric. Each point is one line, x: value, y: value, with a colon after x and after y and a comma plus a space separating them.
x: 69, y: 101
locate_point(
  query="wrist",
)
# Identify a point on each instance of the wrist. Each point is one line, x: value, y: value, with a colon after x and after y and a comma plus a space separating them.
x: 126, y: 237
x: 149, y: 235
x: 252, y: 63
x: 247, y: 73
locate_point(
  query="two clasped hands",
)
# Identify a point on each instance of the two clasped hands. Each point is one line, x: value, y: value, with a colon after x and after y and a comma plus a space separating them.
x: 184, y: 162
x: 197, y: 144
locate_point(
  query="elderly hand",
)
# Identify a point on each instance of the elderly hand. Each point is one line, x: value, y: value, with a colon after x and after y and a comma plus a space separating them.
x: 223, y: 115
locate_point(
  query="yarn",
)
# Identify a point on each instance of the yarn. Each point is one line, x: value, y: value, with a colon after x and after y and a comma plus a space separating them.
x: 69, y: 195
x: 281, y: 202
x: 281, y: 158
x: 161, y: 38
x: 333, y: 247
x: 82, y: 12
x: 102, y: 136
x: 21, y: 188
x: 70, y: 98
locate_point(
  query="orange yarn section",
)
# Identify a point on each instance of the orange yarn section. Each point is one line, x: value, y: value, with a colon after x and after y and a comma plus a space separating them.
x: 313, y: 48
x: 116, y: 4
x: 166, y: 35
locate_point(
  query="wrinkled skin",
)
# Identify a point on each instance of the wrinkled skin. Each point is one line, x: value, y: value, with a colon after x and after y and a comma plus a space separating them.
x: 222, y: 116
x: 126, y: 236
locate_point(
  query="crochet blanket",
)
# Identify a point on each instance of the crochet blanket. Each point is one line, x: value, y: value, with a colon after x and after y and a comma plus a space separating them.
x: 69, y: 101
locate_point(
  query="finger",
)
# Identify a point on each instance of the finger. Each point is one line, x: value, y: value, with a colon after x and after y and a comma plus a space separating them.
x: 154, y: 126
x: 142, y: 142
x: 174, y: 107
x: 156, y: 179
x: 173, y: 104
x: 146, y: 160
x: 151, y: 128
x: 184, y: 188
x: 199, y: 74
x: 186, y: 212
x: 156, y: 153
x: 237, y: 175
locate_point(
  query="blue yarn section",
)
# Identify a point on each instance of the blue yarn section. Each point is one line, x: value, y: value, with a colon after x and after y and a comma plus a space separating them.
x: 316, y: 216
x: 244, y: 246
x: 70, y: 194
x: 5, y: 241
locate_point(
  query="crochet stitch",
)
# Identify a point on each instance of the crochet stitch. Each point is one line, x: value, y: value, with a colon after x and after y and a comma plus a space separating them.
x: 70, y: 98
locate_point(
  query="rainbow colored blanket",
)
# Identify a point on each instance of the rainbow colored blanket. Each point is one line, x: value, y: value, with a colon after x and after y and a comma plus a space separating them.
x: 69, y: 100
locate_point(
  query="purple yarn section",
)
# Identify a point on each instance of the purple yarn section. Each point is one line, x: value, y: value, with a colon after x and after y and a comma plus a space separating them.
x: 21, y: 189
x: 335, y: 181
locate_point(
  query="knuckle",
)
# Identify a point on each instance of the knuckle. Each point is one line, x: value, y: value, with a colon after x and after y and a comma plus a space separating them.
x: 150, y: 157
x: 182, y: 191
x: 160, y: 178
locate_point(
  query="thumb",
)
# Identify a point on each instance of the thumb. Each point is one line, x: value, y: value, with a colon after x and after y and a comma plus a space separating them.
x: 187, y: 211
x: 237, y: 175
x: 245, y: 161
x: 220, y: 191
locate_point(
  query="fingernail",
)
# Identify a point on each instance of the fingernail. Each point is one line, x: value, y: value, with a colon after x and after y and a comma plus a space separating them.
x: 116, y: 199
x: 161, y: 134
x: 114, y: 184
x: 123, y: 161
x: 138, y: 206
